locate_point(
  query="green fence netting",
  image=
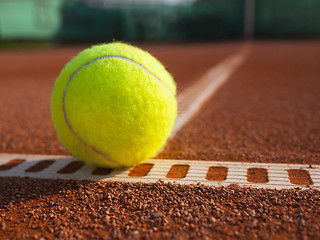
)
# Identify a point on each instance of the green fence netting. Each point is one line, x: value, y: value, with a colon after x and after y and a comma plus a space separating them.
x: 79, y: 21
x: 287, y: 18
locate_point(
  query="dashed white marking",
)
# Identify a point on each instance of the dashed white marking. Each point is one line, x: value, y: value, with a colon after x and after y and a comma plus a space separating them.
x: 237, y: 172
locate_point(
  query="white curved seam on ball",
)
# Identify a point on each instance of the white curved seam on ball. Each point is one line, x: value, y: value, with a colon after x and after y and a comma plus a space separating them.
x: 127, y: 60
x: 105, y: 156
x: 66, y: 89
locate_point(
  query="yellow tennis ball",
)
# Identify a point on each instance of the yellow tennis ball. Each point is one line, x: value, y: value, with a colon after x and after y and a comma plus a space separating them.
x: 114, y: 105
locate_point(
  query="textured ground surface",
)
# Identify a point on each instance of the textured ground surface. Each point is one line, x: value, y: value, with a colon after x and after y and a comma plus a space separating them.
x: 50, y: 209
x: 268, y: 111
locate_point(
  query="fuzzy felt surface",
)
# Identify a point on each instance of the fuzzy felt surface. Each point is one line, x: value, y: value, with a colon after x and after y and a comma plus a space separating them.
x: 111, y: 112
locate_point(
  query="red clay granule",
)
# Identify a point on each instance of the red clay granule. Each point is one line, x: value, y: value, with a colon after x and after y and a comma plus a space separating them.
x: 299, y: 177
x: 61, y: 209
x: 141, y: 170
x: 257, y: 175
x: 72, y: 167
x: 178, y: 171
x: 41, y: 165
x: 217, y: 173
x: 11, y: 164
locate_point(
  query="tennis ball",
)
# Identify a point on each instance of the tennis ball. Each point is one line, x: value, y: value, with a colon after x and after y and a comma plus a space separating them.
x: 114, y: 105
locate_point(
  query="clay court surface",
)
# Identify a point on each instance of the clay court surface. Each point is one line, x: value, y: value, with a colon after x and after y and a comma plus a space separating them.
x: 268, y: 111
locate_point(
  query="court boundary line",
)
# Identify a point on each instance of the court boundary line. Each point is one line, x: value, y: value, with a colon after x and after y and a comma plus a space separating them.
x: 196, y: 171
x: 191, y: 100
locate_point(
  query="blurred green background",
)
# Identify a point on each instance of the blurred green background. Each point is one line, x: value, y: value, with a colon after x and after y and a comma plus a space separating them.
x: 83, y: 21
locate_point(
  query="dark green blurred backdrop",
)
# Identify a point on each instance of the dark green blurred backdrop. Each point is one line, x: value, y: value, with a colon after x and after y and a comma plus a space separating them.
x: 78, y: 21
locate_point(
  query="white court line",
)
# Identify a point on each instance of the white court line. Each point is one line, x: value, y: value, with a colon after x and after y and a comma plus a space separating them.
x: 191, y: 100
x: 236, y: 174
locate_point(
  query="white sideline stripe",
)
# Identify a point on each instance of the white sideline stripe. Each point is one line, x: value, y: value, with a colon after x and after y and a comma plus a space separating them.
x: 237, y: 172
x: 191, y: 100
